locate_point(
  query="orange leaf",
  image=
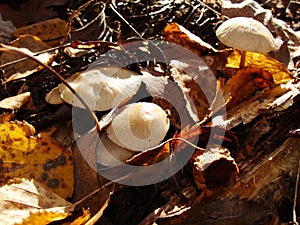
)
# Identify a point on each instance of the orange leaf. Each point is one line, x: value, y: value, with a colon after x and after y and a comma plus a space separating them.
x: 278, y: 70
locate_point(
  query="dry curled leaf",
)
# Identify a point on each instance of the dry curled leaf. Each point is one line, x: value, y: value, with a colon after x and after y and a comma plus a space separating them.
x: 29, y: 155
x: 176, y: 33
x: 213, y: 168
x: 26, y: 67
x: 15, y: 102
x: 244, y: 84
x: 82, y: 219
x: 27, y: 202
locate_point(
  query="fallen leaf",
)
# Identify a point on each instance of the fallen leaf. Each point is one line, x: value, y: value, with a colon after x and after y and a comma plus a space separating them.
x: 169, y: 96
x: 6, y: 117
x: 85, y: 166
x: 26, y: 155
x: 176, y: 33
x: 49, y: 31
x: 27, y: 202
x: 26, y: 67
x: 279, y: 71
x: 244, y: 84
x: 15, y: 102
x: 213, y: 168
x: 82, y: 219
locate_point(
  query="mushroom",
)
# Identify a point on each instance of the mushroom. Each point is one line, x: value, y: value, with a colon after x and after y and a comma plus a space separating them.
x: 110, y: 154
x: 246, y: 34
x: 102, y: 88
x: 139, y: 126
x: 53, y: 97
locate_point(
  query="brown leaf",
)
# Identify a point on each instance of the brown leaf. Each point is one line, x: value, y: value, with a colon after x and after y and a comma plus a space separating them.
x: 177, y: 205
x: 85, y: 167
x: 49, y: 31
x: 244, y: 84
x: 176, y: 33
x: 169, y: 96
x: 26, y: 67
x: 213, y: 168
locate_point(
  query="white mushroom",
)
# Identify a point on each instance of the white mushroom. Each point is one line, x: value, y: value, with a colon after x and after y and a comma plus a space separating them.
x: 53, y: 97
x: 101, y: 88
x: 139, y: 126
x: 110, y: 154
x: 246, y: 34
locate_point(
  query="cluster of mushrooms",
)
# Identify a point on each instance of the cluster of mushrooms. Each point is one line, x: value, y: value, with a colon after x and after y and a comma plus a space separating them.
x: 143, y: 125
x: 136, y: 127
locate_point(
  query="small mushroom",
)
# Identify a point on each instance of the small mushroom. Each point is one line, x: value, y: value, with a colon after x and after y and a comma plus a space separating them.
x: 110, y: 154
x: 139, y: 126
x: 53, y: 97
x: 101, y: 88
x: 246, y: 34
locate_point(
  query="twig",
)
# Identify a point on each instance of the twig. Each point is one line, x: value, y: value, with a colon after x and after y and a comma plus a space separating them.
x: 125, y: 21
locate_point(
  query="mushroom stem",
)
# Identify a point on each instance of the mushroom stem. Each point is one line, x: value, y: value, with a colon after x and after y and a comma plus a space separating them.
x: 243, y: 57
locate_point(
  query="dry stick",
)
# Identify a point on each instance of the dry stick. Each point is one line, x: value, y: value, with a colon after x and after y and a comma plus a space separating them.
x: 125, y: 21
x: 10, y: 49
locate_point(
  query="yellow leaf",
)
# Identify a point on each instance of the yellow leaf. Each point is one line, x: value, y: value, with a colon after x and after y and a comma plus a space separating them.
x: 279, y: 71
x: 39, y: 157
x: 28, y: 202
x: 82, y: 219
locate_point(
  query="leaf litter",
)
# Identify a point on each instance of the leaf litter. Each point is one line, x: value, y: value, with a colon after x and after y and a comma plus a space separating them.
x: 257, y: 95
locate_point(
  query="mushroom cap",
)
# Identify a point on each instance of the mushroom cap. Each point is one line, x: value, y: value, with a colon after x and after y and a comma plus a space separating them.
x: 110, y: 154
x: 101, y: 88
x: 53, y: 97
x: 246, y: 34
x: 139, y: 126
